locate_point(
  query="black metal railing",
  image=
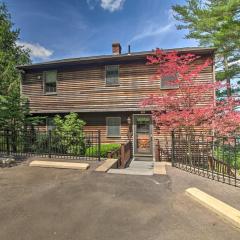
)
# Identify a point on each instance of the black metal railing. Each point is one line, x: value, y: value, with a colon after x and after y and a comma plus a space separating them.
x: 210, y: 156
x: 51, y: 144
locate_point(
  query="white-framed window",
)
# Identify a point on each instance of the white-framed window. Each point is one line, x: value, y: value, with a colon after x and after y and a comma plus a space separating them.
x: 112, y: 75
x: 167, y: 82
x: 50, y: 124
x: 113, y: 126
x: 50, y: 81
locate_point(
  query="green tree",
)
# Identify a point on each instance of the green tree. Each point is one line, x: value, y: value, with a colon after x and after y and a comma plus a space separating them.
x: 215, y: 23
x: 13, y: 108
x: 68, y: 133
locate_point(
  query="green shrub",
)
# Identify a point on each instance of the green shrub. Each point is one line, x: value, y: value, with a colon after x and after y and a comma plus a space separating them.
x: 227, y: 154
x: 69, y: 134
x: 105, y: 148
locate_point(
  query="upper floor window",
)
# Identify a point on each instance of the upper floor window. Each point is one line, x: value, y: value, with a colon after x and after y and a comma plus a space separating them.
x: 112, y: 75
x: 50, y: 81
x: 167, y: 82
x: 113, y: 126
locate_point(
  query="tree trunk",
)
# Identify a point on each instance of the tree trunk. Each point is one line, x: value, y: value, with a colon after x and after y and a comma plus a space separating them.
x: 189, y: 149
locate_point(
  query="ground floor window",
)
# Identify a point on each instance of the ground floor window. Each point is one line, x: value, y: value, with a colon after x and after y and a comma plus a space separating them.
x: 50, y: 124
x: 113, y: 126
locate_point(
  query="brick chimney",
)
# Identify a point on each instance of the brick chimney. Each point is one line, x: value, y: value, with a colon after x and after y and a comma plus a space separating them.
x: 116, y: 48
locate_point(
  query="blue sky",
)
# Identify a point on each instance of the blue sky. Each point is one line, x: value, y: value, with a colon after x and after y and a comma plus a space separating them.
x: 56, y: 29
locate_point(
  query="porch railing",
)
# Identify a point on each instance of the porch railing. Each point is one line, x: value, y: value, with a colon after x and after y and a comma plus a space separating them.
x: 123, y: 154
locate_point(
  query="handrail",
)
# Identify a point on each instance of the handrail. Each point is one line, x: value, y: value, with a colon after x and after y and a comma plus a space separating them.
x: 123, y: 154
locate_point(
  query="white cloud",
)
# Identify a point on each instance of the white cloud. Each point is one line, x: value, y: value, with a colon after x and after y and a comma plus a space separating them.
x: 36, y: 50
x: 152, y: 29
x: 110, y: 5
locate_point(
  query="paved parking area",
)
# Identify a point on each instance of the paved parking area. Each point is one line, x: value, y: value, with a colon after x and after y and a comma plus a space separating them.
x: 181, y: 180
x: 38, y: 203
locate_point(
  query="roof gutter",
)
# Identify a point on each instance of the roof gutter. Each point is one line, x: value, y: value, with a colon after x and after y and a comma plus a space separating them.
x: 87, y: 60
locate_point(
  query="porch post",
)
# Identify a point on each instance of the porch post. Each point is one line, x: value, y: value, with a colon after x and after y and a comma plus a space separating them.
x: 99, y: 145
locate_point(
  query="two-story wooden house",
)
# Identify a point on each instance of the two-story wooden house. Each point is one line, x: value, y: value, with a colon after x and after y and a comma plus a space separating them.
x: 106, y: 91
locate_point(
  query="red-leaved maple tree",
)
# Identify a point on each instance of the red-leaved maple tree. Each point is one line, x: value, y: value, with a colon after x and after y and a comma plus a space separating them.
x: 190, y: 101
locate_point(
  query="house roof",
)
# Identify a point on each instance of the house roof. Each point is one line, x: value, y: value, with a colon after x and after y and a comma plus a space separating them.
x: 102, y: 58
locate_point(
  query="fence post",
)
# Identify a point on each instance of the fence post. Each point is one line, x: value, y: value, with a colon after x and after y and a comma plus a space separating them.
x: 99, y: 145
x: 7, y: 142
x: 173, y: 148
x: 157, y: 151
x: 122, y: 156
x: 49, y: 143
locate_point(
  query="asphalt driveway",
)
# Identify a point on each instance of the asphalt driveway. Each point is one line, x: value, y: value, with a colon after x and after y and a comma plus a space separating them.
x: 37, y: 203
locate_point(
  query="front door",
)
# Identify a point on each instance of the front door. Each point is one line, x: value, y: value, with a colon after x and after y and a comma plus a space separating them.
x: 142, y: 135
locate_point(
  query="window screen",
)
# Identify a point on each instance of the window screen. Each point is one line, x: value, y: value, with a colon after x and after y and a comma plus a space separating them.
x: 167, y: 82
x: 113, y: 126
x: 112, y: 75
x: 50, y: 81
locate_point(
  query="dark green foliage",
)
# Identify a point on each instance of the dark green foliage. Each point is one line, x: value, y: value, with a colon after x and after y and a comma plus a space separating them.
x: 215, y: 23
x: 105, y: 148
x: 43, y: 143
x: 13, y: 107
x: 11, y: 55
x: 228, y: 154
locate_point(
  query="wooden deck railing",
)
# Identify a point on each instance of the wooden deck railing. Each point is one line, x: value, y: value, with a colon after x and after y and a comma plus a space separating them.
x: 214, y: 164
x: 123, y: 154
x: 220, y: 166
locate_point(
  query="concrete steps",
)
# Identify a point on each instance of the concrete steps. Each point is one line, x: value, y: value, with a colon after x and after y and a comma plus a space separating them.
x: 131, y: 172
x: 136, y: 168
x: 106, y: 165
x: 143, y: 158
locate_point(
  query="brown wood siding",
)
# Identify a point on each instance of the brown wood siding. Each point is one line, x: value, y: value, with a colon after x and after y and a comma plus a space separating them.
x: 83, y: 89
x: 97, y: 121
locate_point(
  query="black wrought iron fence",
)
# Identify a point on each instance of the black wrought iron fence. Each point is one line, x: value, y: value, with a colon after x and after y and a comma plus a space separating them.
x: 51, y: 144
x: 210, y: 156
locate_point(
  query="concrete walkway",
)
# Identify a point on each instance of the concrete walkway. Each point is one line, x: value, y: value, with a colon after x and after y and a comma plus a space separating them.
x: 136, y: 168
